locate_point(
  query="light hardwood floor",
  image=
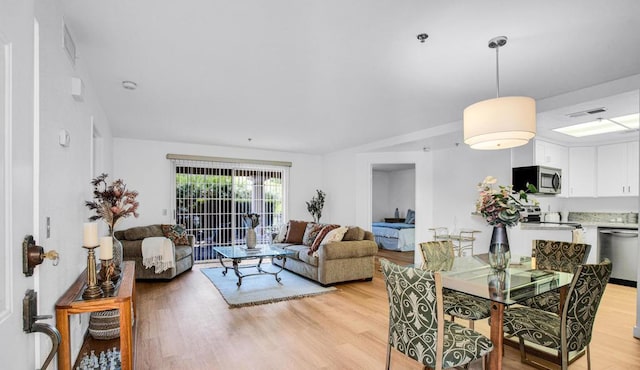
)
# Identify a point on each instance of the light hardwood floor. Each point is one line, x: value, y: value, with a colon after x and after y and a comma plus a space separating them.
x: 185, y: 324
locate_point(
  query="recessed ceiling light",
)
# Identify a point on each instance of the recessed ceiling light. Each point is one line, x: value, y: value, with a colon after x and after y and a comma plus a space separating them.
x: 601, y: 126
x: 129, y: 85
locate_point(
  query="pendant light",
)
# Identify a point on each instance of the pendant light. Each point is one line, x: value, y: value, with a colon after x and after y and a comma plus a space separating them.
x: 500, y: 123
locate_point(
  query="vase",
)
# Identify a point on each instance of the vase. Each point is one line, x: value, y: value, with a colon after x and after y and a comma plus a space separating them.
x: 117, y: 252
x: 496, y: 284
x: 251, y: 238
x: 499, y: 253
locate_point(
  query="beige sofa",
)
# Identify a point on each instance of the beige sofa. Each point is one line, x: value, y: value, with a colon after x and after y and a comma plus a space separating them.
x: 131, y: 240
x: 333, y: 262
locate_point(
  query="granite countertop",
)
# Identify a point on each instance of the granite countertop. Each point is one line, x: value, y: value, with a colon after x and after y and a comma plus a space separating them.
x: 546, y: 226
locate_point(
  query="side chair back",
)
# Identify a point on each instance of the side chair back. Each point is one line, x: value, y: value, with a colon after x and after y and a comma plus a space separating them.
x: 556, y: 256
x: 437, y: 255
x: 417, y: 327
x: 579, y: 313
x: 559, y: 256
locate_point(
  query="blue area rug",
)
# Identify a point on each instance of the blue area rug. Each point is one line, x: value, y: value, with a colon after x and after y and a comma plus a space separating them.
x: 262, y: 289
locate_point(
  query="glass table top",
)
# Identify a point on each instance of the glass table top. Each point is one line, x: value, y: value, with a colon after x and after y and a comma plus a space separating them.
x: 261, y: 250
x: 473, y: 275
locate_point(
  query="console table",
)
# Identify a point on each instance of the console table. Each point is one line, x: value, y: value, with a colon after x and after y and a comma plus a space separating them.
x: 123, y: 298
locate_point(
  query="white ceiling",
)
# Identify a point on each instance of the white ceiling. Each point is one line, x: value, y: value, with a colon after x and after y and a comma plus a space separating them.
x: 320, y: 76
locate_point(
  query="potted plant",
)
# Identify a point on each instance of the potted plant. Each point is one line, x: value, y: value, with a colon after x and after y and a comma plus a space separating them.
x: 316, y: 204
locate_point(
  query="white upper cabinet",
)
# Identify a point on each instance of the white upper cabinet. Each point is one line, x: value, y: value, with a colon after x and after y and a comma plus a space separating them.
x: 618, y: 170
x: 554, y: 155
x: 582, y: 171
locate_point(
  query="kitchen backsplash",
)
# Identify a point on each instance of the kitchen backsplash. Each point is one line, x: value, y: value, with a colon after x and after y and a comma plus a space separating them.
x: 609, y: 217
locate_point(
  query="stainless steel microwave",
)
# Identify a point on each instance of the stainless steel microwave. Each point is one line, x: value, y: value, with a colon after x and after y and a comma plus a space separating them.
x: 546, y: 179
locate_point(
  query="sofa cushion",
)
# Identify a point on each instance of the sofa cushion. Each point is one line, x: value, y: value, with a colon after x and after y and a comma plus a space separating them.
x: 306, y: 256
x: 311, y: 232
x: 354, y: 233
x: 296, y: 231
x: 177, y: 234
x: 351, y: 249
x: 296, y: 249
x: 140, y: 232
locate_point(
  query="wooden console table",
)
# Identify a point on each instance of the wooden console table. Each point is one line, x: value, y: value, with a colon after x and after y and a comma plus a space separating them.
x: 71, y: 302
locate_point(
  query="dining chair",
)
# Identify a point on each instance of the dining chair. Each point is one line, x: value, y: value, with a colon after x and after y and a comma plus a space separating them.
x: 555, y: 256
x: 439, y: 256
x: 569, y: 331
x: 417, y: 327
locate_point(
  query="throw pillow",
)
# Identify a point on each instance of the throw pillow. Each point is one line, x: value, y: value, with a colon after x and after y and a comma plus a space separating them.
x: 295, y: 232
x: 354, y: 233
x: 282, y: 234
x: 411, y: 217
x: 334, y: 235
x: 311, y: 232
x: 177, y: 234
x: 320, y: 237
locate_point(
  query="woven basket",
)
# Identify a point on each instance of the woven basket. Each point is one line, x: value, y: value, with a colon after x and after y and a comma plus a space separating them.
x: 105, y: 325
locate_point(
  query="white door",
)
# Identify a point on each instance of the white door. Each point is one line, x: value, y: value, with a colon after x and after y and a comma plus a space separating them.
x: 16, y: 176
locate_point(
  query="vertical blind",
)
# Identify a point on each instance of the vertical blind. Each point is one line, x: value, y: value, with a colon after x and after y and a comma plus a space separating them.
x: 212, y: 196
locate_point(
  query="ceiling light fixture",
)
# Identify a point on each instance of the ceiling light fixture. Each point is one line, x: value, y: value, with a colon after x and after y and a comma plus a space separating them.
x: 602, y: 126
x: 499, y: 123
x: 129, y: 85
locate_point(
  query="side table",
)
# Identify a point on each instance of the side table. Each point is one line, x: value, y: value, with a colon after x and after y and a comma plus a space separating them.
x: 123, y: 298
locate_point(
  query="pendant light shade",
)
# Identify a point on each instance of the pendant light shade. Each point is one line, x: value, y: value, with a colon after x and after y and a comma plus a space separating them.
x: 500, y: 123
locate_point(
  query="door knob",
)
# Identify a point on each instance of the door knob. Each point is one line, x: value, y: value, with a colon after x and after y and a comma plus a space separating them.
x: 33, y: 255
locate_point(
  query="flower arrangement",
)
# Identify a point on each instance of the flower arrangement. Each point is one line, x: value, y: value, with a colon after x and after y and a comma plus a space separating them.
x: 316, y: 204
x: 112, y: 202
x: 501, y: 206
x: 252, y: 220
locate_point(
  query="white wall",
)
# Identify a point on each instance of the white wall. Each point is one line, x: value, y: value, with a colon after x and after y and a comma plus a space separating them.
x: 391, y: 190
x: 143, y: 166
x: 65, y: 173
x: 380, y: 192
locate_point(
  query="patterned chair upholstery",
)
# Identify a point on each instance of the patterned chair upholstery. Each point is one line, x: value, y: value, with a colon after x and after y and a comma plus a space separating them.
x: 439, y: 256
x: 556, y: 256
x: 416, y: 321
x: 570, y: 331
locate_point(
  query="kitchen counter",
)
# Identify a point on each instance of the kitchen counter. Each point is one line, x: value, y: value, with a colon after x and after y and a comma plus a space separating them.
x: 547, y: 226
x: 619, y: 225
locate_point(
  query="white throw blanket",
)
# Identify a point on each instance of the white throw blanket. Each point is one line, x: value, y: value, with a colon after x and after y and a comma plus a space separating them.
x: 158, y: 252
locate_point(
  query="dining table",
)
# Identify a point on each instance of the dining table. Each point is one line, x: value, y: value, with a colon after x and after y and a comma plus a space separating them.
x: 519, y: 281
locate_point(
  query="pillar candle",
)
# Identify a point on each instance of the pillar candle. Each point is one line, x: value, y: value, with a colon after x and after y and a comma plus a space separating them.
x: 90, y: 235
x: 106, y: 248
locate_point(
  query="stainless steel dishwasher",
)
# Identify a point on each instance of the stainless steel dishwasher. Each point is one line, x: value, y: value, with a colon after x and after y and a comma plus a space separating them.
x: 621, y: 247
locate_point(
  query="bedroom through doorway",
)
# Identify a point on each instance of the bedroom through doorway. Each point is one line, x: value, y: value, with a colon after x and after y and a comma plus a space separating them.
x: 393, y: 198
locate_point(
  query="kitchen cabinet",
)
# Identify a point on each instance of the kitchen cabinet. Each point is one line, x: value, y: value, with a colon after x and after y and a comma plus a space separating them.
x: 554, y: 155
x: 617, y: 166
x: 543, y: 153
x: 582, y: 172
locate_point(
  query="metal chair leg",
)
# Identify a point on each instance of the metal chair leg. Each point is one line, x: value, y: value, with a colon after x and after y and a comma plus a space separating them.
x: 388, y: 356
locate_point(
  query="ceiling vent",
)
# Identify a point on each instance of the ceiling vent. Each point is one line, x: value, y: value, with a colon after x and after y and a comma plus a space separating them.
x: 587, y: 112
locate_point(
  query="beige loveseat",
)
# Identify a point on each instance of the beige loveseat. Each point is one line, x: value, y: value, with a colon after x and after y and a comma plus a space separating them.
x: 334, y: 262
x: 132, y: 251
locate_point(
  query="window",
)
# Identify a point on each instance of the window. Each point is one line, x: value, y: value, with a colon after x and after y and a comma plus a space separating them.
x: 212, y: 195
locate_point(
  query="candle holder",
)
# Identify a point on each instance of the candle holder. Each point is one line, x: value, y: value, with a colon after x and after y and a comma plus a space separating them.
x: 107, y: 285
x: 92, y: 290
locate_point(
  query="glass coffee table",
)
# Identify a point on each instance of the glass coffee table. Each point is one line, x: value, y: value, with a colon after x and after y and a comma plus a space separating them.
x: 239, y: 253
